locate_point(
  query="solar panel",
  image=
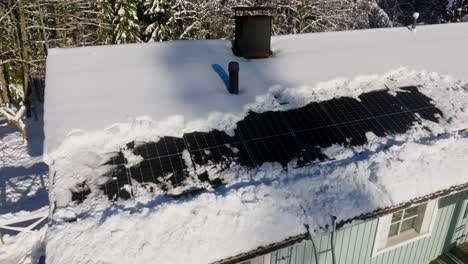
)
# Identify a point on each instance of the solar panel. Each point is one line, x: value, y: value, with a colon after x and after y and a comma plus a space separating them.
x: 345, y: 110
x: 80, y: 192
x: 163, y: 163
x: 209, y: 148
x: 118, y: 179
x: 311, y: 116
x: 203, y: 140
x: 273, y: 136
x: 281, y: 148
x: 418, y: 103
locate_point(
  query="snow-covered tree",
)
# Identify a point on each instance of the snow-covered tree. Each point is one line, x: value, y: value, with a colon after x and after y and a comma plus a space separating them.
x: 108, y: 12
x: 127, y: 28
x: 119, y: 21
x: 457, y: 11
x: 303, y: 16
x: 161, y: 16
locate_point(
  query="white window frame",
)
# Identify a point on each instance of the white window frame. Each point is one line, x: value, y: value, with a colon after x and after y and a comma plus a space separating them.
x: 265, y: 259
x: 417, y: 220
x: 424, y: 228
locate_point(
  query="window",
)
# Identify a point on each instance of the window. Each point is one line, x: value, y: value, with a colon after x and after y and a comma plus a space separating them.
x: 466, y: 211
x: 258, y: 260
x: 404, y: 226
x: 402, y: 221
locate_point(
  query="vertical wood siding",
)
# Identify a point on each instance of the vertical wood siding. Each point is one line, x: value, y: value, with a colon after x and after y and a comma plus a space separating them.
x: 354, y: 244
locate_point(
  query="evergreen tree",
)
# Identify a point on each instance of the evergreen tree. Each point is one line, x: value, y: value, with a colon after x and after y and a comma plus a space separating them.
x: 127, y: 28
x: 108, y: 12
x: 162, y: 20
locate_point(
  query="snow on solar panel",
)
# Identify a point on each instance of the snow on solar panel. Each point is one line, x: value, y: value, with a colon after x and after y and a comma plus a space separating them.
x: 296, y: 135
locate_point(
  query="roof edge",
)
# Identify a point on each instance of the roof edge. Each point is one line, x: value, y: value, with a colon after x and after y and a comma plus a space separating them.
x: 363, y: 217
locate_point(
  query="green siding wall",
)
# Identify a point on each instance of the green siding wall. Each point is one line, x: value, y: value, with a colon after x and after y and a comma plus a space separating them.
x: 354, y: 244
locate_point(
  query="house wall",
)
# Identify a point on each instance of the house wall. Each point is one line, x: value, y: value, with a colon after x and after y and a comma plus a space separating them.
x: 354, y: 244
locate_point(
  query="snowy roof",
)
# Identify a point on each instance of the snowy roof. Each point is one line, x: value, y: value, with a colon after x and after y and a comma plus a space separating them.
x: 92, y: 88
x: 100, y: 99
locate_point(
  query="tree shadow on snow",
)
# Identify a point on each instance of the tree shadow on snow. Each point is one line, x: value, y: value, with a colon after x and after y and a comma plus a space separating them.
x: 35, y: 132
x: 9, y: 176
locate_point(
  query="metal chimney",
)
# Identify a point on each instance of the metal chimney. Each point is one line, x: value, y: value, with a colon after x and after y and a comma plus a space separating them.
x: 253, y: 32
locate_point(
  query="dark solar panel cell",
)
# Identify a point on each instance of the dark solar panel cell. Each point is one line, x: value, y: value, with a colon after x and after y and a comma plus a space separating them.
x: 375, y: 127
x: 146, y: 150
x: 146, y: 172
x: 135, y: 173
x: 432, y: 114
x: 202, y: 140
x: 418, y: 103
x: 111, y: 190
x: 80, y: 193
x: 242, y: 154
x: 355, y: 133
x: 204, y: 177
x: 322, y: 138
x: 192, y: 140
x: 176, y: 178
x: 166, y: 164
x: 173, y: 145
x: 345, y: 110
x: 412, y: 99
x: 309, y: 155
x: 124, y: 194
x: 163, y: 147
x: 118, y: 159
x: 119, y: 173
x: 381, y: 103
x: 397, y: 123
x: 307, y: 117
x: 161, y: 169
x: 260, y: 125
x: 222, y: 155
x: 220, y: 137
x: 280, y: 149
x: 114, y: 192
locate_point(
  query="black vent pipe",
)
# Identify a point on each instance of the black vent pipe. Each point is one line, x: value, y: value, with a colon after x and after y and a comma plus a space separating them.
x: 233, y: 77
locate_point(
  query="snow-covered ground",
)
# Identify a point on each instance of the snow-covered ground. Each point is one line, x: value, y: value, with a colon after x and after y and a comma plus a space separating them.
x: 101, y: 98
x: 23, y: 189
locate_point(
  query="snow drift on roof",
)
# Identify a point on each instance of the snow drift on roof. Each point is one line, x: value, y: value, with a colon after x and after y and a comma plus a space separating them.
x: 262, y: 205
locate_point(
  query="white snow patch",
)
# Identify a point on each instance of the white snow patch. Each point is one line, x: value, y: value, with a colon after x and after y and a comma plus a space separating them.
x: 24, y: 248
x: 23, y: 189
x: 132, y: 159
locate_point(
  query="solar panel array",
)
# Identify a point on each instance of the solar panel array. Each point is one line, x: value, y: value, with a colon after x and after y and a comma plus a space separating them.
x: 273, y: 136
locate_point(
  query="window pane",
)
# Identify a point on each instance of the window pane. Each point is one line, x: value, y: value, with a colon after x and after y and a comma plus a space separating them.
x: 397, y: 216
x: 411, y: 212
x: 466, y: 211
x: 393, y: 229
x: 407, y: 224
